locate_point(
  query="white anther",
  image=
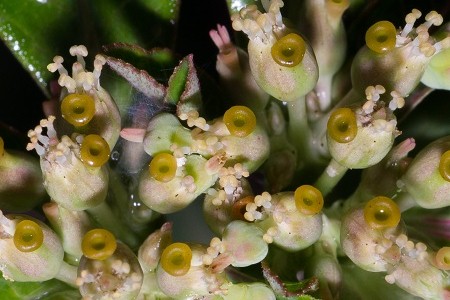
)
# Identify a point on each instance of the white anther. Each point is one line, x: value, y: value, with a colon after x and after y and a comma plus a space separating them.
x: 434, y: 18
x: 368, y: 107
x: 80, y: 52
x: 410, y: 19
x: 57, y: 65
x: 68, y: 82
x: 397, y: 101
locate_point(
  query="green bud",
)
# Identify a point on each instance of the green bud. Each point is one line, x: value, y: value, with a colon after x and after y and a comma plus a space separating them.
x: 40, y: 264
x: 21, y: 186
x: 424, y: 181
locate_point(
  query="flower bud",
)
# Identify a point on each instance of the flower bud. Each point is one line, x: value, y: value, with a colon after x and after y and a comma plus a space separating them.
x: 70, y: 225
x: 30, y: 252
x: 21, y: 181
x: 426, y: 179
x: 242, y: 245
x: 436, y: 74
x: 150, y: 251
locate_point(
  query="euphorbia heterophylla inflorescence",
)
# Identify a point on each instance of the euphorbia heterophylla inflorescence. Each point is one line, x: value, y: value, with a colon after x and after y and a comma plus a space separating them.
x: 265, y: 169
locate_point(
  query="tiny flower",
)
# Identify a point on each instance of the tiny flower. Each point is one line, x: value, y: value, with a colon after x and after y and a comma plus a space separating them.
x: 119, y: 276
x: 195, y: 280
x: 74, y: 172
x: 399, y: 60
x: 282, y: 62
x: 285, y: 225
x: 180, y: 191
x: 426, y: 180
x: 361, y: 137
x: 31, y: 251
x: 84, y: 103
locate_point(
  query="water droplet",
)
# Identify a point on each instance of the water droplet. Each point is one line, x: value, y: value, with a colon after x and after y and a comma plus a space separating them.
x: 115, y: 155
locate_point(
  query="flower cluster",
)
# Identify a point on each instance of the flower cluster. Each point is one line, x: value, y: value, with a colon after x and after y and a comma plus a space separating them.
x: 264, y: 169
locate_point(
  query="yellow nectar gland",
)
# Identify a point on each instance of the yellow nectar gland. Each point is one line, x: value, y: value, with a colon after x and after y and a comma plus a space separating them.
x: 176, y: 259
x: 240, y: 120
x: 382, y: 212
x: 342, y: 126
x: 381, y: 37
x: 98, y: 244
x: 308, y: 200
x: 442, y: 258
x: 289, y: 50
x: 163, y: 167
x: 78, y: 109
x: 444, y: 165
x: 28, y: 236
x: 94, y: 151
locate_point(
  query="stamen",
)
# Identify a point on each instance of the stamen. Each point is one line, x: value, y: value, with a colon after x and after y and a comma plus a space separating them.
x: 80, y: 52
x: 410, y: 19
x: 57, y: 65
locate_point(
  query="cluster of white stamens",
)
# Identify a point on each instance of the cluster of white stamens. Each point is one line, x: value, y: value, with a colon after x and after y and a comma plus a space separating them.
x: 193, y: 119
x: 127, y: 280
x: 420, y: 37
x: 215, y: 248
x: 270, y: 234
x: 408, y: 249
x: 81, y: 80
x: 219, y: 196
x: 372, y: 108
x: 39, y: 141
x: 257, y: 25
x: 253, y: 208
x: 229, y: 178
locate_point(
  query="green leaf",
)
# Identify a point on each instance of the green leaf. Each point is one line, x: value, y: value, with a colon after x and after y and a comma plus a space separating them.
x: 147, y: 23
x: 177, y: 82
x: 37, y: 30
x: 52, y: 289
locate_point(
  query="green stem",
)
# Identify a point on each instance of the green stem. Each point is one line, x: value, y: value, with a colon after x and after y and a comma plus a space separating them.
x: 68, y: 274
x: 330, y: 177
x: 104, y: 216
x: 298, y: 130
